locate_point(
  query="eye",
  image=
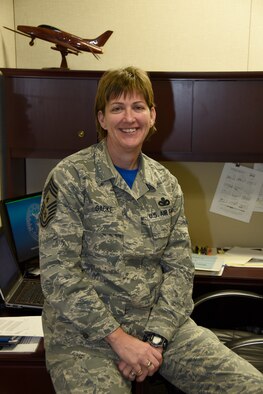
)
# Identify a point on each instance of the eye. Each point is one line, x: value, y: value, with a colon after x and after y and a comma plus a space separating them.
x: 116, y: 109
x: 139, y: 107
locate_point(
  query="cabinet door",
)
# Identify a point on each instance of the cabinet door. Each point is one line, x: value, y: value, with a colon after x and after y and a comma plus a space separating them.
x: 173, y: 99
x: 228, y: 117
x: 50, y: 117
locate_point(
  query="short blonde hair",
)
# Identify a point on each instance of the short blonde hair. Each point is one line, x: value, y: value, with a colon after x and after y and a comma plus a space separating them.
x: 114, y: 83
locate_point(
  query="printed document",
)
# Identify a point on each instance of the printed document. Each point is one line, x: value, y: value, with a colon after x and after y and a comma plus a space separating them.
x: 237, y: 192
x: 24, y: 326
x: 259, y: 203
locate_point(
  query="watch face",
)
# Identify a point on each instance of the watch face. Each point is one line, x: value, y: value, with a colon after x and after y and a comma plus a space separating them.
x: 156, y: 340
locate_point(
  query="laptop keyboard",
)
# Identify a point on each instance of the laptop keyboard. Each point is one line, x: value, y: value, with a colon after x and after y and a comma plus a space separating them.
x: 30, y: 293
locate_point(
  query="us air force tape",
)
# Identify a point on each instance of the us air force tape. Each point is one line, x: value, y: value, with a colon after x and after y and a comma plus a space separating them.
x: 49, y: 204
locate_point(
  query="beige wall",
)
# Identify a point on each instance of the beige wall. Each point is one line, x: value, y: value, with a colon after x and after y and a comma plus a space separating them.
x: 7, y: 39
x: 157, y: 35
x: 7, y: 53
x: 200, y: 35
x: 199, y: 182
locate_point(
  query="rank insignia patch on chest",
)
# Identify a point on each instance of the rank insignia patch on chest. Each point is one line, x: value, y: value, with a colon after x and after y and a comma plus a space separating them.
x: 163, y: 202
x: 49, y: 205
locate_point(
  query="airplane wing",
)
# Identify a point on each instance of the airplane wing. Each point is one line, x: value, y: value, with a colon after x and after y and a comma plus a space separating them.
x: 73, y: 49
x: 19, y: 32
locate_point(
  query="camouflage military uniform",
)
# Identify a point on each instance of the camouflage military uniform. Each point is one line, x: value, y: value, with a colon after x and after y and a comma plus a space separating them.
x: 112, y: 256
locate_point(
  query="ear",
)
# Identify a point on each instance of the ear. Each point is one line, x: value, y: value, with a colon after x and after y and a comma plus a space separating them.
x: 101, y: 119
x: 153, y: 116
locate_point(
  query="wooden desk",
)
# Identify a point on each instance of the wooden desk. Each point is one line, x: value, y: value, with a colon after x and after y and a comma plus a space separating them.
x: 22, y: 372
x: 27, y: 372
x: 235, y: 312
x: 236, y: 278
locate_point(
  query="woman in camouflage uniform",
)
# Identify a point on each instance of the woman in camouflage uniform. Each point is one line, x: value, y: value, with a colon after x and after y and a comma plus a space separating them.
x: 116, y: 265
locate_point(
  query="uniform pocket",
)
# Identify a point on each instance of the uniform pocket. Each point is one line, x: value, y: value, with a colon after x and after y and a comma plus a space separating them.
x: 161, y: 228
x: 103, y: 233
x: 157, y: 231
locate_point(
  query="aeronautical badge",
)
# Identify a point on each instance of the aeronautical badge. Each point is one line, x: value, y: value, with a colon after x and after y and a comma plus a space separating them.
x: 163, y: 202
x: 49, y: 204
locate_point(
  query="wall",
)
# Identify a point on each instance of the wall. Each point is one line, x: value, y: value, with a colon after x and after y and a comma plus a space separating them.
x: 7, y: 39
x: 199, y: 182
x: 192, y: 35
x: 7, y: 54
x: 157, y: 35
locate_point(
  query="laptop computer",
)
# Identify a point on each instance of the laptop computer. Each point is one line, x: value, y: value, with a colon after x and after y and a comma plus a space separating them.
x: 16, y: 290
x: 20, y: 222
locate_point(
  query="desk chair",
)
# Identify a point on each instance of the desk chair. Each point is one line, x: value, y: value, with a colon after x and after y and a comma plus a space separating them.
x: 236, y: 317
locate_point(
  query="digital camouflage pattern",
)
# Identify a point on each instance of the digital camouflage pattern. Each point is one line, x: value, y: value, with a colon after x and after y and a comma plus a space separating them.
x: 111, y: 256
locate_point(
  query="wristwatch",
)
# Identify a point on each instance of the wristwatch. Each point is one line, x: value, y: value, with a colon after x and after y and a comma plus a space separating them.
x: 155, y: 340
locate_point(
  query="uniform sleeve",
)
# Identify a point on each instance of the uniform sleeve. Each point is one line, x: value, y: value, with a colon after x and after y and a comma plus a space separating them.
x: 67, y: 288
x: 175, y: 303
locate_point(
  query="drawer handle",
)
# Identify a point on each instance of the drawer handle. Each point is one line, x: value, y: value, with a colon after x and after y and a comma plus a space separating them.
x: 81, y: 134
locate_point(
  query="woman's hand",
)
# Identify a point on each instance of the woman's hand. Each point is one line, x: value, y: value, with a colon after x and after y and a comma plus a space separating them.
x: 138, y: 359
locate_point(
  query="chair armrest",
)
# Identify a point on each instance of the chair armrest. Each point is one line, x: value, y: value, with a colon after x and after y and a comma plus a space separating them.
x: 226, y: 293
x: 242, y: 342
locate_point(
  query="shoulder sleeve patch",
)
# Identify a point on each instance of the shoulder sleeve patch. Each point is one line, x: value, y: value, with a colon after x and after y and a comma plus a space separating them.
x: 49, y: 203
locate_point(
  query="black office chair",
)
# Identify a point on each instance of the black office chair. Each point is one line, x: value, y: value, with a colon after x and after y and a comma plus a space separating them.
x: 236, y: 317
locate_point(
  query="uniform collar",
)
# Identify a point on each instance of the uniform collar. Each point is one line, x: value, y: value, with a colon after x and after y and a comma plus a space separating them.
x: 105, y: 169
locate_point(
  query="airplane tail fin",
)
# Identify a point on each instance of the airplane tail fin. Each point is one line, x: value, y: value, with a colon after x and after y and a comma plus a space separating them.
x: 102, y: 39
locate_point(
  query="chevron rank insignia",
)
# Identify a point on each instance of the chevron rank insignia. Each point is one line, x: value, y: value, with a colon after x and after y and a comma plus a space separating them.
x: 49, y: 204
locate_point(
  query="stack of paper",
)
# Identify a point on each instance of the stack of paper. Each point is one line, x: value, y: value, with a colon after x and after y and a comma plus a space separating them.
x: 26, y: 345
x: 208, y: 265
x: 28, y: 327
x: 244, y: 257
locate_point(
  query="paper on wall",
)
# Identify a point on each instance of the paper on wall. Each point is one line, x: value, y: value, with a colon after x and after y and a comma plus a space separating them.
x: 237, y: 192
x: 259, y: 203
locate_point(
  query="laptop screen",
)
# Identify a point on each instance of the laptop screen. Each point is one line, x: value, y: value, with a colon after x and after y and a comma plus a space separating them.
x: 21, y: 216
x: 9, y: 270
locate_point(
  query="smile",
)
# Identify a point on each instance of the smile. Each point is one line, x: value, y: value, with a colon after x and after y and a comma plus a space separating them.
x: 129, y: 131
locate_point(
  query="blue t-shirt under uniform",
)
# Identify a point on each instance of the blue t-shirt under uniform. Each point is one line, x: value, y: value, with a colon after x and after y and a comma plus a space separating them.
x: 128, y: 175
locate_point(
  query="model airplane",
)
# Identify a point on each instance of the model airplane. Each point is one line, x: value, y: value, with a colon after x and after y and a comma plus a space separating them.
x: 64, y: 42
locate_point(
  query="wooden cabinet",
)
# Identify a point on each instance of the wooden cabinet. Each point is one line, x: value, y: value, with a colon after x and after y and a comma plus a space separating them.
x: 200, y: 117
x: 49, y: 117
x: 173, y: 99
x: 48, y: 114
x: 228, y: 119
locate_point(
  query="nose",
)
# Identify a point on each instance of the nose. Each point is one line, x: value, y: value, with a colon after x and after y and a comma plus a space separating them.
x: 129, y: 115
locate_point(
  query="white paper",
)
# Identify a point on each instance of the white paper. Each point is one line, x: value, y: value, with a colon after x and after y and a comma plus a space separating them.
x: 237, y: 192
x: 23, y: 326
x: 236, y: 260
x: 249, y: 253
x: 259, y: 203
x: 26, y: 345
x: 244, y: 257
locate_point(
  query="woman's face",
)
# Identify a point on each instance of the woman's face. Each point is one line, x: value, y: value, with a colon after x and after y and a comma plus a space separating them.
x: 127, y: 120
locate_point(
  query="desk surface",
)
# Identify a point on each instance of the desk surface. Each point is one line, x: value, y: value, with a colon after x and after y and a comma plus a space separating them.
x: 233, y: 278
x: 241, y: 274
